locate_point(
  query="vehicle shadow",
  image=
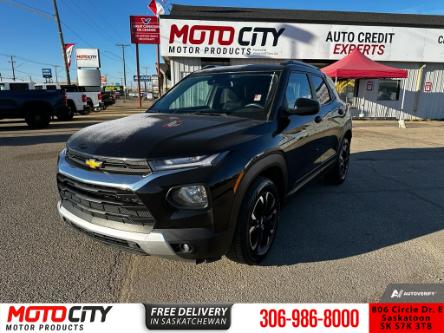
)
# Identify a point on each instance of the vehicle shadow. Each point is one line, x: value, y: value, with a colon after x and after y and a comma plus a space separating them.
x: 390, y: 197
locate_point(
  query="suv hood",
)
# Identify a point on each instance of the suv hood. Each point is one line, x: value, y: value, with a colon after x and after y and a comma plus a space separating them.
x: 162, y: 135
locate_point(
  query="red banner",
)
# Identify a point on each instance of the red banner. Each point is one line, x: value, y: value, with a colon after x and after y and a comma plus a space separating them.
x: 406, y: 317
x: 144, y: 30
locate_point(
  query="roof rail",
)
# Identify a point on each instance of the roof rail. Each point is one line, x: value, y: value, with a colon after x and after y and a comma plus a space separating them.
x: 291, y: 62
x: 210, y: 66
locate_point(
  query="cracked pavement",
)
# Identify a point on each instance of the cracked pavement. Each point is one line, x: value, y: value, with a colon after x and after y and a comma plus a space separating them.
x: 334, y: 244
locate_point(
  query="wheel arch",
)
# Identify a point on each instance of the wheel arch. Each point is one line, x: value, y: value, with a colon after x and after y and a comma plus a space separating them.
x: 272, y: 166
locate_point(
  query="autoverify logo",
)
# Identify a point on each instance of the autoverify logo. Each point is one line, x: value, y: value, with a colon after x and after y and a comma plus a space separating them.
x: 397, y: 294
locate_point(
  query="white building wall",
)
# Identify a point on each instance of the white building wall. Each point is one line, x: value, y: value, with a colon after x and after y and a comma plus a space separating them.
x: 181, y: 67
x: 418, y: 103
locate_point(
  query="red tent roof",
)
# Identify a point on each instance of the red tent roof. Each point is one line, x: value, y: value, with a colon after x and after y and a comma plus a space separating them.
x: 358, y: 66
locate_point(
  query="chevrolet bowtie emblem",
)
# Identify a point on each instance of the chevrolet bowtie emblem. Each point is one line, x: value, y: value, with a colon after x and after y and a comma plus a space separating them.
x: 93, y: 164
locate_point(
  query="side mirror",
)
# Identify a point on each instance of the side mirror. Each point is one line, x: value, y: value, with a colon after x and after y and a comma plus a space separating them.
x: 305, y: 106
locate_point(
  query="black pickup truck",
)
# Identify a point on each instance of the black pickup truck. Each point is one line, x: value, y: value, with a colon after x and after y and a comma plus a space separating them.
x: 35, y: 106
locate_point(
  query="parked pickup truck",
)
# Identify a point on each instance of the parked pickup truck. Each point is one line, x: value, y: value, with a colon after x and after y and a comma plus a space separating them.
x: 93, y: 96
x: 206, y: 170
x: 76, y: 100
x: 35, y: 106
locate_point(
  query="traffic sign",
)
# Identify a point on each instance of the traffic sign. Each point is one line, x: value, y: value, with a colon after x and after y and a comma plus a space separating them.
x: 143, y: 77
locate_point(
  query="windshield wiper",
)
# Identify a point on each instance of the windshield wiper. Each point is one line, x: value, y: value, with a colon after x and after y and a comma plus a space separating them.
x: 209, y: 113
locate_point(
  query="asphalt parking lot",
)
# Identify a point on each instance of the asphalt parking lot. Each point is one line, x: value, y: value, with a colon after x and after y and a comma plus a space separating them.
x: 334, y: 244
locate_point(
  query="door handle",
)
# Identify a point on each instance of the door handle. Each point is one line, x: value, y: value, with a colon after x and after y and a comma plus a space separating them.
x: 318, y: 119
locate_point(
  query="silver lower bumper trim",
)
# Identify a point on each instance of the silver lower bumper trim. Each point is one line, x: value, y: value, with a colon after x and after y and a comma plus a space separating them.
x: 152, y: 243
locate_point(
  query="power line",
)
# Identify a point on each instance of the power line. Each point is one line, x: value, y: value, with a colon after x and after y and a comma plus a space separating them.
x: 28, y: 8
x: 26, y: 59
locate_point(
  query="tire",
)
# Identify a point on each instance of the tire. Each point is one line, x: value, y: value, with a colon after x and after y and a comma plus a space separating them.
x: 90, y: 105
x: 339, y: 172
x: 38, y: 118
x: 257, y: 223
x: 68, y: 113
x: 85, y: 112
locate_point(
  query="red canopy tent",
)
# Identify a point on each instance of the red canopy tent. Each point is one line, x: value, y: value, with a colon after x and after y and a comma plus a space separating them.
x: 358, y: 66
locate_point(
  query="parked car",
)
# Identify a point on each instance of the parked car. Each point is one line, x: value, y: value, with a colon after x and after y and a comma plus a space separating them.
x: 36, y: 107
x: 205, y: 172
x: 108, y: 98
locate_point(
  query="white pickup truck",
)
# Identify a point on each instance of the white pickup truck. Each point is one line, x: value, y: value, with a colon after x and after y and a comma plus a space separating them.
x: 80, y: 99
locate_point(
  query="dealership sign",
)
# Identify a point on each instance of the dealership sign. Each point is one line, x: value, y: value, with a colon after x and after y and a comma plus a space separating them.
x: 144, y: 29
x: 192, y: 38
x: 88, y: 58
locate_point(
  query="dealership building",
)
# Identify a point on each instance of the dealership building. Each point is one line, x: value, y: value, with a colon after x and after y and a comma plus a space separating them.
x: 194, y: 37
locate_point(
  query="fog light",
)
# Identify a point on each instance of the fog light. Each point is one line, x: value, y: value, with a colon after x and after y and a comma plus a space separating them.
x: 191, y: 196
x: 186, y: 248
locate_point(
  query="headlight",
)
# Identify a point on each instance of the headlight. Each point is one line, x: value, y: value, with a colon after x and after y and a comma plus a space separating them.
x: 185, y: 162
x: 190, y: 196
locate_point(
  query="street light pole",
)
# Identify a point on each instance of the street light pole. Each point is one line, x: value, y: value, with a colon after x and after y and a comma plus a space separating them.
x: 59, y: 27
x: 124, y: 64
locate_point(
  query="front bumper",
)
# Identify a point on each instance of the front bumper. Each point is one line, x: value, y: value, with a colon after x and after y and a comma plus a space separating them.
x: 152, y: 243
x: 170, y: 229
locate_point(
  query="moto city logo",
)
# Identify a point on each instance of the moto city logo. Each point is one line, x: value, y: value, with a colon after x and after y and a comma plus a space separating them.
x: 199, y: 39
x: 54, y: 317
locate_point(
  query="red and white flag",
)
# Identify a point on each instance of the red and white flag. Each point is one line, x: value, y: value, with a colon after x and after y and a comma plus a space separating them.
x: 156, y: 7
x: 68, y: 50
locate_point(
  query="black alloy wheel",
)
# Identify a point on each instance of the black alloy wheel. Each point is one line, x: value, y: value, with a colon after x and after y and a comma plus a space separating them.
x: 344, y: 158
x: 339, y: 171
x: 257, y: 223
x: 262, y: 223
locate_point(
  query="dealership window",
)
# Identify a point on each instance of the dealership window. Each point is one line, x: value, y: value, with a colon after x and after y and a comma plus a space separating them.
x: 389, y: 90
x: 298, y: 87
x: 322, y: 92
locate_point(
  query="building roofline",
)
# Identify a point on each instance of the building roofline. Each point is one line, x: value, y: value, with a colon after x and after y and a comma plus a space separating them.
x: 304, y: 16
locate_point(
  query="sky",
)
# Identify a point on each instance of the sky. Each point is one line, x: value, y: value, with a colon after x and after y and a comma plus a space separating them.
x: 31, y: 36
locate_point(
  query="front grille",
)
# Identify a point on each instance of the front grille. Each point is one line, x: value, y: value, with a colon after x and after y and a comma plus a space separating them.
x: 103, y: 202
x: 110, y: 164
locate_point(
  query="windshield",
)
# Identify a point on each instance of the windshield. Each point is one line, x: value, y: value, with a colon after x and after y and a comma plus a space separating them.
x: 236, y: 94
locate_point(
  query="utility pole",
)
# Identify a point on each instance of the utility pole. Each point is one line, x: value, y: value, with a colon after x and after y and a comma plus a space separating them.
x: 12, y: 62
x: 59, y: 27
x: 124, y: 64
x: 56, y: 73
x: 146, y: 73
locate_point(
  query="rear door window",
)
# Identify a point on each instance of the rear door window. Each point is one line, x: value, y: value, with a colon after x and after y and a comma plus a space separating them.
x: 320, y: 87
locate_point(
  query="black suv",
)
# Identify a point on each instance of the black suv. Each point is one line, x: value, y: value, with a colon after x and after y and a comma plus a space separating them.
x: 206, y: 170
